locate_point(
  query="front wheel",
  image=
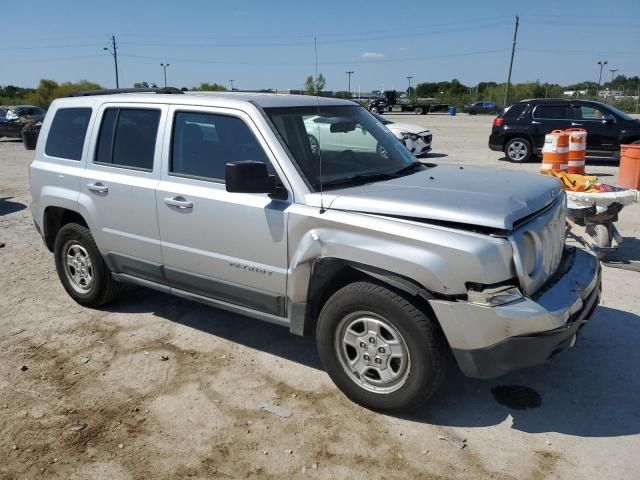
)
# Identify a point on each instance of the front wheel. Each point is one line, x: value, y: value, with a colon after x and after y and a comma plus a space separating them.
x: 518, y: 150
x: 418, y: 111
x: 374, y: 109
x: 81, y: 268
x: 379, y: 349
x: 313, y: 143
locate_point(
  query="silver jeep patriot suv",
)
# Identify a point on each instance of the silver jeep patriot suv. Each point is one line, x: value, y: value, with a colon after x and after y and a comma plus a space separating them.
x: 308, y: 213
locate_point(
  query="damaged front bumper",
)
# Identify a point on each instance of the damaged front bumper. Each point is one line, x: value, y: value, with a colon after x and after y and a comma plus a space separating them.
x: 491, y: 341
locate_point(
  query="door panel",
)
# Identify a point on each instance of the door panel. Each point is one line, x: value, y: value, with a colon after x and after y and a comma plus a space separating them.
x: 549, y: 117
x: 228, y: 246
x: 600, y: 136
x: 121, y: 200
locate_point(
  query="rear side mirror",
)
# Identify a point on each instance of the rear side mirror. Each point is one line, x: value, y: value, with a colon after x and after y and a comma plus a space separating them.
x: 342, y: 127
x: 249, y: 176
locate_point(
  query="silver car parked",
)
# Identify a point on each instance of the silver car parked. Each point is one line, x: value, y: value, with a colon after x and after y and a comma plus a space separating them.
x: 392, y: 264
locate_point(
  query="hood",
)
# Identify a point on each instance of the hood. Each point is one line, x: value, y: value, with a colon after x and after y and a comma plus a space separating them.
x: 491, y: 198
x: 407, y: 127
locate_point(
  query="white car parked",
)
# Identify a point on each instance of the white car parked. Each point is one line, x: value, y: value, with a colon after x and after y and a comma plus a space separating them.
x: 417, y: 139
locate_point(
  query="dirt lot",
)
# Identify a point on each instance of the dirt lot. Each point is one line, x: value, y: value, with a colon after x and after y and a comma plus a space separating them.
x: 86, y: 394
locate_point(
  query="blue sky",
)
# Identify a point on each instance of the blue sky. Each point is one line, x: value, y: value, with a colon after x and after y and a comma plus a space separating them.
x: 270, y: 44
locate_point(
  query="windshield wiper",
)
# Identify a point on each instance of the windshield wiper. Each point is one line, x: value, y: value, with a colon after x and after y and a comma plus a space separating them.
x: 360, y: 178
x: 409, y: 168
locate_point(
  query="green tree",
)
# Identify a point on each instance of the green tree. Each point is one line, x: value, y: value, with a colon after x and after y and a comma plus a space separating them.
x: 312, y: 87
x: 209, y: 87
x: 49, y: 90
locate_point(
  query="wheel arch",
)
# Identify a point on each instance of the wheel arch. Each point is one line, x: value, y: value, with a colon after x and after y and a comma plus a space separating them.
x: 54, y: 219
x: 328, y: 275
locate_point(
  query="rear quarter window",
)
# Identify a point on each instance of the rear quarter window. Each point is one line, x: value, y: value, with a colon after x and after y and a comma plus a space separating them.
x: 67, y: 133
x: 515, y: 111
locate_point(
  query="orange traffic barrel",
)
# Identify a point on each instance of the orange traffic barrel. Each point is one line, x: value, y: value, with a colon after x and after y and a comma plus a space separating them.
x: 555, y: 152
x: 629, y: 176
x: 577, y: 150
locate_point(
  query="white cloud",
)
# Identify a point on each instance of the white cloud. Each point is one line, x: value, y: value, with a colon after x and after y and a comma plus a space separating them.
x: 372, y: 55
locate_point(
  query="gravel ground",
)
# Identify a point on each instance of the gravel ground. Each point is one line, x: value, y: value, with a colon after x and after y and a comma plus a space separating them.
x: 156, y: 387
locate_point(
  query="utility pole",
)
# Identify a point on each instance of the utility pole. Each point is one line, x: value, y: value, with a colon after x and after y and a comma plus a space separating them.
x: 231, y: 83
x: 409, y: 89
x: 164, y: 67
x: 513, y: 51
x: 114, y: 53
x: 602, y: 64
x: 349, y: 74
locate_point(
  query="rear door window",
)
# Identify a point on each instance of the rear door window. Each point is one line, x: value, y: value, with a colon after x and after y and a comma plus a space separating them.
x: 552, y: 112
x: 67, y: 133
x: 127, y: 138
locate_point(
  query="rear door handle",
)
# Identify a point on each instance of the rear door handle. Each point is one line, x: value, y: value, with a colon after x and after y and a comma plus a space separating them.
x: 178, y: 202
x: 97, y: 187
x: 535, y: 123
x: 574, y: 124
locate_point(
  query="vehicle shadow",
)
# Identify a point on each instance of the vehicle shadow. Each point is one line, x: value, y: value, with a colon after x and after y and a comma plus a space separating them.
x: 433, y: 155
x: 590, y: 391
x: 7, y: 206
x: 252, y: 333
x: 629, y: 252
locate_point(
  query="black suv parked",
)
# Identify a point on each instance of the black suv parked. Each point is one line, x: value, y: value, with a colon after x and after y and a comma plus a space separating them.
x: 520, y: 129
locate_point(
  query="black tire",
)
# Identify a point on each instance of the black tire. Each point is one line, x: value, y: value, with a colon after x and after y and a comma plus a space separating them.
x: 374, y: 110
x: 103, y: 288
x: 382, y: 152
x: 473, y: 112
x: 314, y: 145
x: 427, y: 350
x: 515, y: 145
x: 419, y: 111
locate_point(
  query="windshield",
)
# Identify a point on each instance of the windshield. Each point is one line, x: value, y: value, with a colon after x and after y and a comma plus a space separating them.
x: 619, y: 112
x: 352, y: 144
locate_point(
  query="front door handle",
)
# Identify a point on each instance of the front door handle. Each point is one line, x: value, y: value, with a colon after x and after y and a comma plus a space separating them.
x: 178, y: 202
x: 535, y: 123
x: 574, y: 124
x: 97, y: 187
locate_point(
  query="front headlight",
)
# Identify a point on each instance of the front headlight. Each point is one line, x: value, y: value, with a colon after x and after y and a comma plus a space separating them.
x: 492, y: 297
x: 529, y: 254
x: 411, y: 136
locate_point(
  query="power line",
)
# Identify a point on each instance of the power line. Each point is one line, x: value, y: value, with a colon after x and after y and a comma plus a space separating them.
x: 305, y: 62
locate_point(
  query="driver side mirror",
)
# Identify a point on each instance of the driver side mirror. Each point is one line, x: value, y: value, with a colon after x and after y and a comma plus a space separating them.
x: 607, y: 118
x: 249, y: 176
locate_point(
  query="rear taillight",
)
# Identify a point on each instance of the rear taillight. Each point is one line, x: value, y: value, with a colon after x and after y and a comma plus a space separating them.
x: 498, y: 121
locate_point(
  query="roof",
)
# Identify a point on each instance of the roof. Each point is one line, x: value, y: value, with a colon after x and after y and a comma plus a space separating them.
x: 273, y: 100
x: 174, y: 96
x: 557, y: 100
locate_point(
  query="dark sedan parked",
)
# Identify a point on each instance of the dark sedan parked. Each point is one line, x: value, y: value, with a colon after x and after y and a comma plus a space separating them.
x: 481, y: 107
x: 12, y: 118
x: 520, y: 129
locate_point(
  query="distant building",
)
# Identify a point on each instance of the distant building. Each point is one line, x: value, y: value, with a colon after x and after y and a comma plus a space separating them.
x: 574, y: 93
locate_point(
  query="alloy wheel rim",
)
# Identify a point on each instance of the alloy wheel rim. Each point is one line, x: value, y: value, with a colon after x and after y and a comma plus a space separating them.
x: 78, y: 267
x: 372, y: 352
x: 517, y: 151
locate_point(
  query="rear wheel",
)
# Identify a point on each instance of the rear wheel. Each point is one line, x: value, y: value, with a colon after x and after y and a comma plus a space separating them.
x: 313, y: 143
x: 418, y: 111
x: 518, y: 150
x: 379, y: 349
x: 81, y: 268
x: 374, y: 109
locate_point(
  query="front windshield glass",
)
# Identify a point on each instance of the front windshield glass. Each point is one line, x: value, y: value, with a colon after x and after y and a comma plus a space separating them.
x: 352, y: 144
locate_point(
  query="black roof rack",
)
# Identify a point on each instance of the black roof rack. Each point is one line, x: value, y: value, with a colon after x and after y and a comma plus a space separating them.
x: 111, y: 91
